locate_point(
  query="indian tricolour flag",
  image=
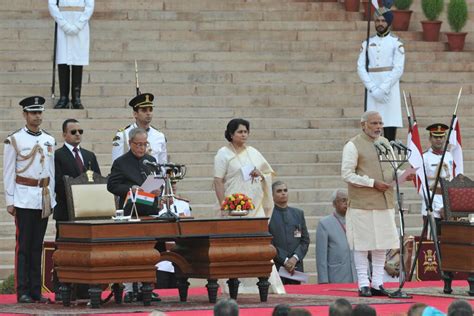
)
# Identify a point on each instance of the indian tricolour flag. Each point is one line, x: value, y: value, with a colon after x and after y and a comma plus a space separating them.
x: 141, y: 197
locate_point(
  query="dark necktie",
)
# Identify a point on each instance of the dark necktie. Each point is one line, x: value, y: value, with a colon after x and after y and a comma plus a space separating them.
x: 79, y: 163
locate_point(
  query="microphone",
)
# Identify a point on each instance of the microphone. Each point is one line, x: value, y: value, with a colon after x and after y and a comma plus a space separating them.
x: 147, y: 162
x: 379, y: 148
x: 396, y: 146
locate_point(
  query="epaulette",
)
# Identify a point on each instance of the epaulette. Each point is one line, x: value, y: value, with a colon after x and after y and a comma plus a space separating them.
x: 46, y: 132
x: 123, y: 128
x: 154, y: 128
x: 15, y: 132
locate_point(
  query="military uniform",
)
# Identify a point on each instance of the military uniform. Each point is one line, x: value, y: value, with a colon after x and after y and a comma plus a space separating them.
x: 28, y: 173
x: 432, y: 161
x: 72, y: 18
x: 156, y: 139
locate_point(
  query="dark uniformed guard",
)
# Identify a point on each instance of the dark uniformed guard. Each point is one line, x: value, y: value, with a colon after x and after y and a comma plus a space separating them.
x: 28, y: 173
x: 142, y: 106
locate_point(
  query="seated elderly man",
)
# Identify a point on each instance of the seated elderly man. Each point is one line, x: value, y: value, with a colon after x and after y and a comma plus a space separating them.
x: 129, y: 172
x: 334, y: 258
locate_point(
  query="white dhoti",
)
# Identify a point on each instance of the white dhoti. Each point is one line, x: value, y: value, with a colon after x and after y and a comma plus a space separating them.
x: 371, y: 229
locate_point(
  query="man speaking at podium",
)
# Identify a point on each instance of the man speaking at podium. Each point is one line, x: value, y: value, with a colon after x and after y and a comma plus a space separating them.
x: 130, y: 170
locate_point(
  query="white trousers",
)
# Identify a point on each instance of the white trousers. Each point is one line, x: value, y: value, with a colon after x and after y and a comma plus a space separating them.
x: 362, y: 267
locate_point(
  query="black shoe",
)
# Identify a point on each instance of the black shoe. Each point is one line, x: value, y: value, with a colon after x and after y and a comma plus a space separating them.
x: 62, y: 103
x: 25, y: 299
x: 155, y: 297
x: 58, y: 297
x: 128, y: 297
x: 380, y: 292
x: 42, y: 300
x: 77, y: 104
x: 365, y: 292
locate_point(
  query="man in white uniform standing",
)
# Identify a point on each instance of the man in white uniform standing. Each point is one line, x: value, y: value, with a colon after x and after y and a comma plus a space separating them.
x: 142, y: 106
x: 28, y: 176
x: 72, y: 51
x: 386, y: 63
x: 432, y: 159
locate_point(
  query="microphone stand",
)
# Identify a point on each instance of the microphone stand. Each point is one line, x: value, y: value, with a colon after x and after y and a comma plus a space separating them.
x: 388, y: 156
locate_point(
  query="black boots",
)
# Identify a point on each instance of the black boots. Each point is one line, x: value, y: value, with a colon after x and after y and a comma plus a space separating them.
x: 64, y: 75
x: 76, y: 87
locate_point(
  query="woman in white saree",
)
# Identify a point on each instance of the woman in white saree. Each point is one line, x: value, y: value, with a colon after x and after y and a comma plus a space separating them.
x: 239, y: 168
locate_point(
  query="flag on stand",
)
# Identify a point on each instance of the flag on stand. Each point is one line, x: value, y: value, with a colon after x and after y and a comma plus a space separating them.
x: 141, y: 197
x: 416, y: 157
x: 456, y: 148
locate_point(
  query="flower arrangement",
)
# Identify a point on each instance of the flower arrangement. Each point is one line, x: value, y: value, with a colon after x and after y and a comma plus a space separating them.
x: 237, y: 202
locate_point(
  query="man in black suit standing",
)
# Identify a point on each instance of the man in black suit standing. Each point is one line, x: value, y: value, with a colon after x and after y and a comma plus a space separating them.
x: 70, y: 160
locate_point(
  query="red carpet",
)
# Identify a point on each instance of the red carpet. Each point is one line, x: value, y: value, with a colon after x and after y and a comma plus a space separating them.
x: 431, y: 297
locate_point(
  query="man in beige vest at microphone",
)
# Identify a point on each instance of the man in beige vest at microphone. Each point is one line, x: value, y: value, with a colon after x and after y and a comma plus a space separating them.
x: 370, y: 218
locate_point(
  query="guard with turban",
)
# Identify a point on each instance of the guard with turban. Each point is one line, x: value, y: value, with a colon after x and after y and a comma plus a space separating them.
x: 386, y: 60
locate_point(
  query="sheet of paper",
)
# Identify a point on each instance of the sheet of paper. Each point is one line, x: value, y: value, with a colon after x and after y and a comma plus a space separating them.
x: 403, y: 177
x: 246, y: 170
x: 152, y: 183
x: 297, y: 275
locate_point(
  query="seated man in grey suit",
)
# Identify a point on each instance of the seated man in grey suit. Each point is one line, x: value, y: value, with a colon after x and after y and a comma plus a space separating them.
x: 290, y: 235
x: 334, y: 259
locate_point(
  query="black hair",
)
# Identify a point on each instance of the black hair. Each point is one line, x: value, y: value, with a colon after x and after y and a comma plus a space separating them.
x: 233, y: 125
x: 66, y: 122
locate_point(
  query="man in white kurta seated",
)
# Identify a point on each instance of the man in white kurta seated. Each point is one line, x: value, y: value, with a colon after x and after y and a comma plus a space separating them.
x: 370, y: 218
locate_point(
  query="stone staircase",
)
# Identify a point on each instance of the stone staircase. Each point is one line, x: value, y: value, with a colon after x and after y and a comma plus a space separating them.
x: 288, y: 67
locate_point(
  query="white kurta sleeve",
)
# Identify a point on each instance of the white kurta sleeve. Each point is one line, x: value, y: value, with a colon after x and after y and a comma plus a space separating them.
x: 348, y: 166
x: 9, y: 164
x: 363, y: 74
x: 398, y: 65
x: 86, y: 15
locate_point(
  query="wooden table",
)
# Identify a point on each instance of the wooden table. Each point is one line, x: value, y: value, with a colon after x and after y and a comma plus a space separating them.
x: 457, y: 252
x: 102, y: 252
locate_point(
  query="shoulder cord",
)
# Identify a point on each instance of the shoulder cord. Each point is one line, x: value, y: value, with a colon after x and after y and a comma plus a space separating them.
x: 36, y: 149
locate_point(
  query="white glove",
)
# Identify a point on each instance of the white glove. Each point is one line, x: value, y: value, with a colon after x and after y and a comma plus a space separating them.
x: 379, y: 95
x: 70, y: 29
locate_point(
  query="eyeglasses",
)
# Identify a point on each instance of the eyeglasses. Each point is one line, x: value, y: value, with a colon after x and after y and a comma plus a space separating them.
x: 74, y: 131
x: 140, y: 144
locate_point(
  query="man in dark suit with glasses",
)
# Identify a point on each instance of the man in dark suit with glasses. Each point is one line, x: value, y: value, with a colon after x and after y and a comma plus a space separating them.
x: 70, y: 160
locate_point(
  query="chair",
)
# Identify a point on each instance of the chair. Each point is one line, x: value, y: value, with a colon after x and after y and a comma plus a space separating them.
x: 87, y: 197
x: 458, y: 197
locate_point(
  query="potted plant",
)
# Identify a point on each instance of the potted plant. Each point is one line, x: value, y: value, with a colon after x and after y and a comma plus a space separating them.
x: 431, y: 9
x: 457, y: 18
x: 402, y: 15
